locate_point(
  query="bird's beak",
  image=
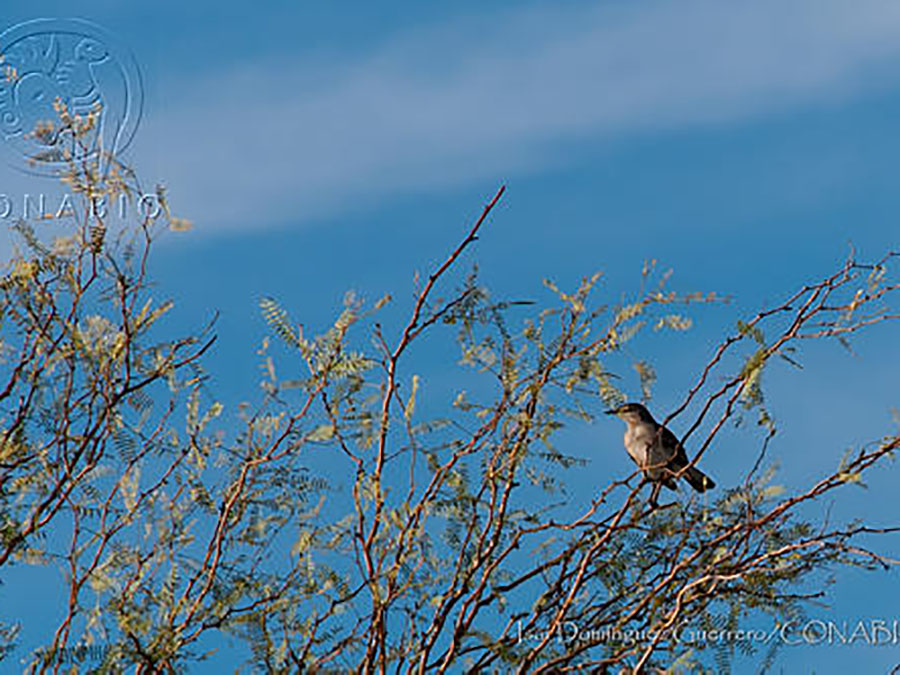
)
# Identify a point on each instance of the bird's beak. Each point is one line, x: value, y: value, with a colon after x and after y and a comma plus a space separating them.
x: 614, y: 411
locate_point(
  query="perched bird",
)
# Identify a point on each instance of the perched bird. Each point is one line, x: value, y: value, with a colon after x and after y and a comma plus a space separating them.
x: 656, y: 450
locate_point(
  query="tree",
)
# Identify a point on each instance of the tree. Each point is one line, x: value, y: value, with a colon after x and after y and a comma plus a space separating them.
x: 455, y: 545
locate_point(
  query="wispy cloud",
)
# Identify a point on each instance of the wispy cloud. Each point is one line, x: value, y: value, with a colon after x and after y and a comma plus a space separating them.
x: 490, y: 96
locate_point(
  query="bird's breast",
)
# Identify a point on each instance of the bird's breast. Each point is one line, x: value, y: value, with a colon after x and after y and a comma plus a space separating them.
x: 637, y: 442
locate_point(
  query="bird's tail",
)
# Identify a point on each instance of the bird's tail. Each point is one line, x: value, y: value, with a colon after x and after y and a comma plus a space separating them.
x: 698, y: 480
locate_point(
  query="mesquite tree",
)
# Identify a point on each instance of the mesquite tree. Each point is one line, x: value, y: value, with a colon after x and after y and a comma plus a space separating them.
x: 443, y: 535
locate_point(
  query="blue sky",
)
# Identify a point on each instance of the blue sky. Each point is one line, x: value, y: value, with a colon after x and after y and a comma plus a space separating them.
x: 324, y: 146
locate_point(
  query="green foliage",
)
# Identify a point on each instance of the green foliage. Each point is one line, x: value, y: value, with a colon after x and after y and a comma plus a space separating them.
x: 355, y: 515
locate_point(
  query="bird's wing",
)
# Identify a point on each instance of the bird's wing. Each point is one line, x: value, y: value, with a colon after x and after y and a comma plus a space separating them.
x: 679, y: 459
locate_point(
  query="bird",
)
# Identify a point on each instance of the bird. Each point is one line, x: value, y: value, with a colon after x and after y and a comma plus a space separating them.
x: 657, y: 451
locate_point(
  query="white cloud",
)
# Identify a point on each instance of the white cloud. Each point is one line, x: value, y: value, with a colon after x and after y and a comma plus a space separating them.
x: 487, y: 97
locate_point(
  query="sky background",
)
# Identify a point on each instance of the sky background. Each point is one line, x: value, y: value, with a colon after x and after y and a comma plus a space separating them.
x: 319, y: 147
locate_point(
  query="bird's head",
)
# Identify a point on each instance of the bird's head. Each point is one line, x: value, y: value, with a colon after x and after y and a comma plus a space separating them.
x: 632, y: 413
